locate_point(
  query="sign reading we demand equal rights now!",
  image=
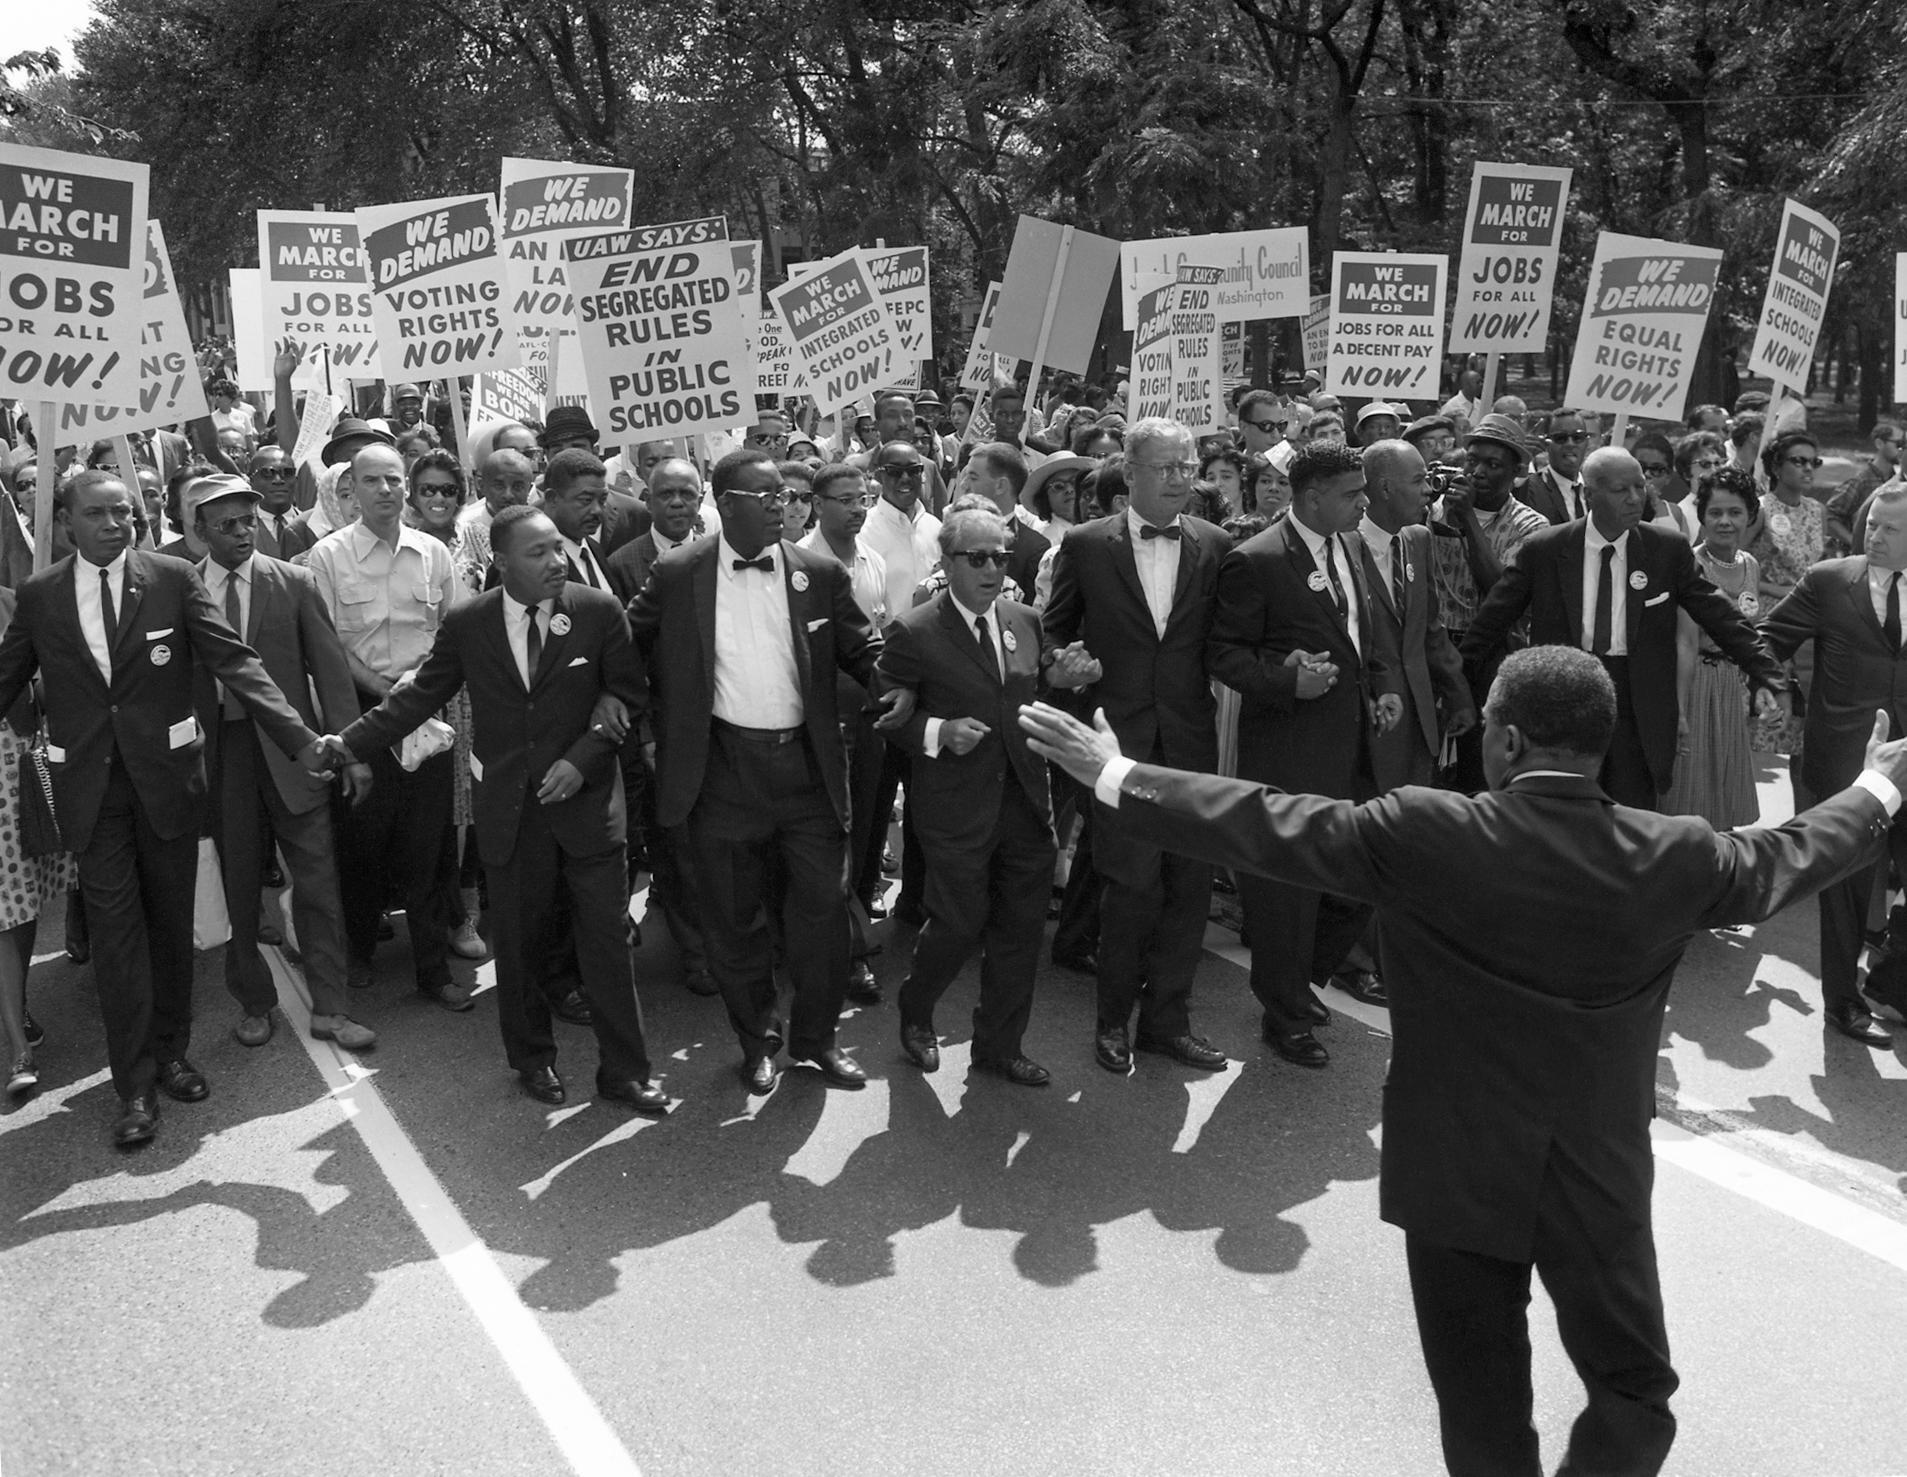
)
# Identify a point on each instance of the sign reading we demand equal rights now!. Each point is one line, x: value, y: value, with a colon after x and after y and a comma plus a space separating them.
x: 438, y: 286
x: 1642, y: 322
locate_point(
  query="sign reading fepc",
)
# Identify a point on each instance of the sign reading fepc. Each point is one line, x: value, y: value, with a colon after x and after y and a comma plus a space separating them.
x: 438, y: 286
x: 1643, y: 315
x: 1386, y: 324
x: 1506, y: 279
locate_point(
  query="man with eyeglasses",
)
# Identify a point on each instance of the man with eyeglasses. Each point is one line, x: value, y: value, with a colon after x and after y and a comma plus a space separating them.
x: 279, y: 534
x: 769, y: 434
x: 1261, y: 420
x: 997, y: 472
x: 276, y: 610
x: 1134, y: 596
x: 1556, y: 491
x: 1846, y: 511
x: 743, y: 634
x: 672, y: 493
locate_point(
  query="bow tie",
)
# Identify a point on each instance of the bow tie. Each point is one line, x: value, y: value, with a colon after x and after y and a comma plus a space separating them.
x: 766, y: 564
x: 1148, y: 531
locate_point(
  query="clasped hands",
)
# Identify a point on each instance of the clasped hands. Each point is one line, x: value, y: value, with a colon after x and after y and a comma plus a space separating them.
x: 330, y: 757
x: 1074, y: 666
x: 1318, y: 674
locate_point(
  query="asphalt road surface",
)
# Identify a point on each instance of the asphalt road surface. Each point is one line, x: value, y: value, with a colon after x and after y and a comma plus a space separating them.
x: 409, y: 1267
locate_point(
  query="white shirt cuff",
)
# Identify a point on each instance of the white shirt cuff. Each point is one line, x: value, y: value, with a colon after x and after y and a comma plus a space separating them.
x: 1881, y: 788
x: 930, y: 740
x: 1106, y: 787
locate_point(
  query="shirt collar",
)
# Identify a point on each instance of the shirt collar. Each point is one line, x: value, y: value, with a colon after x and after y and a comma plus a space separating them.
x: 1595, y: 541
x: 243, y: 574
x: 1313, y: 540
x: 972, y: 615
x: 116, y: 569
x: 1136, y: 525
x: 725, y: 556
x: 362, y: 538
x: 1377, y: 537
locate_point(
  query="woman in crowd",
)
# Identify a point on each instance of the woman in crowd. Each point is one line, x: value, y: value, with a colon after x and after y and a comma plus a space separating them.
x: 800, y: 484
x: 1051, y: 494
x: 1270, y: 490
x: 1098, y: 441
x: 1229, y: 471
x: 1698, y: 457
x: 1656, y: 456
x: 1787, y: 534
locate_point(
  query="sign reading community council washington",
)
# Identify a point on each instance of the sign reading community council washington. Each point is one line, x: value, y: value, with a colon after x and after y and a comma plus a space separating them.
x: 1643, y: 314
x: 1262, y: 274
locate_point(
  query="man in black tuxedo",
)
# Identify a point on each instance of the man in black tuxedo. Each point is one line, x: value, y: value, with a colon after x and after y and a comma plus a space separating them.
x: 1133, y: 601
x: 1525, y: 1027
x: 536, y: 654
x: 1614, y: 585
x: 743, y: 633
x: 119, y: 633
x: 1296, y: 635
x: 1851, y: 610
x: 982, y: 807
x: 1556, y: 491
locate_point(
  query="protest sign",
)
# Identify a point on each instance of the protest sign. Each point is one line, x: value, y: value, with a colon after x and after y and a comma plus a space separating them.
x: 1506, y: 277
x: 747, y: 258
x: 72, y: 266
x: 1797, y: 296
x: 1900, y: 326
x: 1643, y: 314
x: 774, y: 358
x: 1198, y: 396
x: 1052, y: 295
x: 507, y: 394
x: 1386, y: 324
x: 900, y: 277
x: 1317, y: 332
x: 977, y: 373
x: 660, y: 334
x: 1231, y: 351
x: 841, y: 332
x: 322, y: 409
x: 544, y: 203
x: 249, y: 346
x: 438, y: 290
x: 1267, y: 274
x: 1149, y: 390
x: 317, y: 290
x: 171, y: 388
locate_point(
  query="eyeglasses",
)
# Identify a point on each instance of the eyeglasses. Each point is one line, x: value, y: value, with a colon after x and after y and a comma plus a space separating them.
x: 438, y: 489
x: 862, y: 500
x: 1171, y: 471
x: 775, y: 497
x: 1569, y: 438
x: 765, y: 438
x: 1810, y: 462
x: 911, y: 472
x: 276, y: 473
x: 242, y: 523
x: 1707, y: 463
x: 1266, y: 426
x: 981, y: 558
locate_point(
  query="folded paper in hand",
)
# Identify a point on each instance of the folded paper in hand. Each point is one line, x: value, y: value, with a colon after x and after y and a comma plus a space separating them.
x: 426, y: 741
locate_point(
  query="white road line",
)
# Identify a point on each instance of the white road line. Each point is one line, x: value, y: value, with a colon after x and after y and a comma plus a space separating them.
x: 588, y: 1443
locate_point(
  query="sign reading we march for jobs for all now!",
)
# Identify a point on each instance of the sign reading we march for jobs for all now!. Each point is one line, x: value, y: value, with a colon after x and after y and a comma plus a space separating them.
x: 1643, y: 315
x: 316, y: 288
x: 438, y: 288
x: 1506, y: 279
x: 1386, y: 324
x: 72, y: 265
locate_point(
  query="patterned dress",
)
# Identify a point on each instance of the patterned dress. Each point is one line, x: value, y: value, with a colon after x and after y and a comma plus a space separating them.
x: 1715, y: 777
x: 1791, y: 539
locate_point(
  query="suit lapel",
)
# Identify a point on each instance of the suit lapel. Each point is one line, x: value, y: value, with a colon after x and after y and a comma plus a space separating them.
x: 797, y: 610
x: 1128, y: 566
x: 1374, y: 577
x: 553, y: 639
x: 1863, y: 601
x: 129, y: 605
x: 962, y: 635
x: 702, y: 577
x: 1299, y: 552
x: 1182, y: 581
x: 68, y: 610
x: 1639, y: 559
x: 1575, y: 550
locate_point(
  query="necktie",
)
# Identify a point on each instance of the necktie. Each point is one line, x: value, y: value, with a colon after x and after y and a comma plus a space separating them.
x: 986, y: 643
x: 1892, y: 624
x: 587, y: 565
x: 108, y: 612
x: 1337, y: 585
x: 765, y: 564
x: 236, y: 620
x: 278, y: 531
x: 533, y: 645
x: 1397, y: 573
x: 1605, y: 602
x: 1148, y: 531
x: 1576, y: 499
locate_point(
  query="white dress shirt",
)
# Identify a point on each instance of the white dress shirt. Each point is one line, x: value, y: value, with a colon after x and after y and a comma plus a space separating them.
x: 1385, y: 546
x: 1570, y: 492
x: 583, y: 559
x: 518, y: 630
x: 909, y: 547
x: 867, y: 578
x: 217, y: 576
x: 1593, y: 545
x: 92, y: 619
x: 1341, y: 556
x: 756, y: 683
x: 930, y: 736
x: 1158, y: 561
x: 1877, y: 592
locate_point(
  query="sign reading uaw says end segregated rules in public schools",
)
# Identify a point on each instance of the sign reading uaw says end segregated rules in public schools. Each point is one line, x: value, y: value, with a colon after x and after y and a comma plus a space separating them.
x: 439, y: 287
x: 1386, y: 324
x: 1642, y: 322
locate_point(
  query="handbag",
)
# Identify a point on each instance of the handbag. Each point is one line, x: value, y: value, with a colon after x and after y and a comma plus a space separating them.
x: 39, y: 823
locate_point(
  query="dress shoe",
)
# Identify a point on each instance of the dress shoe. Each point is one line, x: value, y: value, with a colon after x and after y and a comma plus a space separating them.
x: 1021, y: 1070
x: 572, y: 1008
x: 863, y: 988
x: 1187, y: 1050
x: 35, y: 1033
x: 1112, y: 1049
x: 359, y: 976
x: 253, y: 1030
x: 138, y: 1118
x: 1362, y: 984
x: 78, y: 944
x: 466, y: 942
x: 1298, y: 1047
x: 1853, y: 1021
x: 760, y: 1073
x: 544, y: 1085
x: 836, y: 1066
x: 701, y: 982
x: 343, y: 1030
x: 182, y: 1082
x: 921, y: 1046
x: 644, y: 1097
x: 1319, y: 1011
x: 452, y: 996
x: 79, y: 951
x: 1084, y: 962
x: 24, y: 1076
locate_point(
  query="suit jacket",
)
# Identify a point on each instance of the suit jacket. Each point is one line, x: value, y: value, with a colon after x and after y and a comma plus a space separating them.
x: 1541, y: 492
x: 290, y: 628
x: 1546, y: 579
x: 1525, y: 1023
x: 1154, y: 688
x: 628, y: 567
x: 1029, y: 547
x: 1266, y: 610
x: 673, y: 619
x: 298, y: 538
x: 168, y: 627
x: 1423, y: 664
x: 624, y: 518
x: 932, y: 650
x: 518, y: 732
x: 1854, y: 671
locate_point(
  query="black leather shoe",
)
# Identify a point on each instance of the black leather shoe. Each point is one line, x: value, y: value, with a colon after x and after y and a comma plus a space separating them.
x: 572, y: 1008
x: 1084, y: 962
x: 182, y: 1082
x: 78, y: 946
x: 760, y: 1072
x: 1320, y: 1012
x: 1187, y: 1050
x: 836, y: 1066
x: 1854, y: 1022
x: 34, y: 1034
x: 1362, y: 984
x: 1112, y: 1050
x: 544, y: 1085
x: 644, y: 1097
x: 700, y: 982
x: 863, y: 988
x: 1021, y: 1070
x: 138, y: 1119
x: 921, y: 1047
x: 1300, y: 1048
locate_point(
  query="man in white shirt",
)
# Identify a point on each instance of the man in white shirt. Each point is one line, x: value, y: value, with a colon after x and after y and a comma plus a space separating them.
x: 507, y: 476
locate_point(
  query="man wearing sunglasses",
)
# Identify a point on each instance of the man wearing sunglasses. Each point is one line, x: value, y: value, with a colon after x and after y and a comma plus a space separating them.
x: 1557, y: 490
x: 279, y: 535
x: 1261, y: 420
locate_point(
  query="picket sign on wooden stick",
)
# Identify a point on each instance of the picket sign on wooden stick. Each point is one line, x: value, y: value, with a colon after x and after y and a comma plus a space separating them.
x: 458, y: 433
x: 1052, y: 308
x: 1487, y: 396
x: 43, y: 491
x: 1619, y: 433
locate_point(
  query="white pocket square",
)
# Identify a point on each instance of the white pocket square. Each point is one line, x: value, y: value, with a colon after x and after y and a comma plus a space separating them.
x: 581, y: 661
x: 817, y: 625
x: 155, y: 635
x: 1657, y: 601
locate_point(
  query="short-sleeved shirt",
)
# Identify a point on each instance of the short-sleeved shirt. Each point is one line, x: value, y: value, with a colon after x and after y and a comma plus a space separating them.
x: 1504, y: 531
x: 386, y: 602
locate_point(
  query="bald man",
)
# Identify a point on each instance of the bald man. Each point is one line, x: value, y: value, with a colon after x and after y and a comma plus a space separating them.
x: 507, y: 476
x: 1613, y: 585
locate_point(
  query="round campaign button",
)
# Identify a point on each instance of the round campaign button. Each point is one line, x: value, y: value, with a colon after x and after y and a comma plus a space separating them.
x: 799, y: 579
x: 559, y: 625
x: 1316, y: 580
x: 161, y: 655
x: 1410, y: 572
x: 1009, y: 641
x: 1780, y: 526
x: 1638, y: 581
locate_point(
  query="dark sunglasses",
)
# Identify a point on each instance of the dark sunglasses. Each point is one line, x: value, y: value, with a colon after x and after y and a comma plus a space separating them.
x: 907, y: 474
x: 1569, y: 438
x: 981, y: 558
x: 273, y: 472
x: 243, y: 523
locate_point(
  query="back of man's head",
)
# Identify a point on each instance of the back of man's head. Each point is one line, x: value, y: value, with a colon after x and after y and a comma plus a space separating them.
x: 1559, y: 698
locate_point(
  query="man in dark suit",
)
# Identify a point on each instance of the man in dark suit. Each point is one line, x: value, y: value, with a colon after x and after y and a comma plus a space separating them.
x: 259, y: 795
x: 743, y: 633
x: 674, y: 500
x: 1425, y: 670
x: 979, y: 796
x: 280, y: 533
x: 119, y: 634
x: 536, y: 654
x: 1525, y: 1027
x: 1133, y: 600
x: 1614, y: 586
x: 1556, y: 491
x: 997, y: 472
x: 1296, y: 635
x: 1851, y: 610
x: 573, y: 496
x: 569, y: 428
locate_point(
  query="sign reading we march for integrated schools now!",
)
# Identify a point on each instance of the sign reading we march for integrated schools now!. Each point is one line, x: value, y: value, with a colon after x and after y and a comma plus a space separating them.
x: 1797, y: 297
x: 437, y: 286
x: 1506, y: 279
x: 661, y: 334
x: 1643, y: 315
x: 546, y: 203
x: 72, y: 259
x: 1386, y: 325
x: 316, y: 288
x: 843, y: 335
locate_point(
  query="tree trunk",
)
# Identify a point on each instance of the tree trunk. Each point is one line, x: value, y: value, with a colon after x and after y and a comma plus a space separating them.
x: 1334, y: 178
